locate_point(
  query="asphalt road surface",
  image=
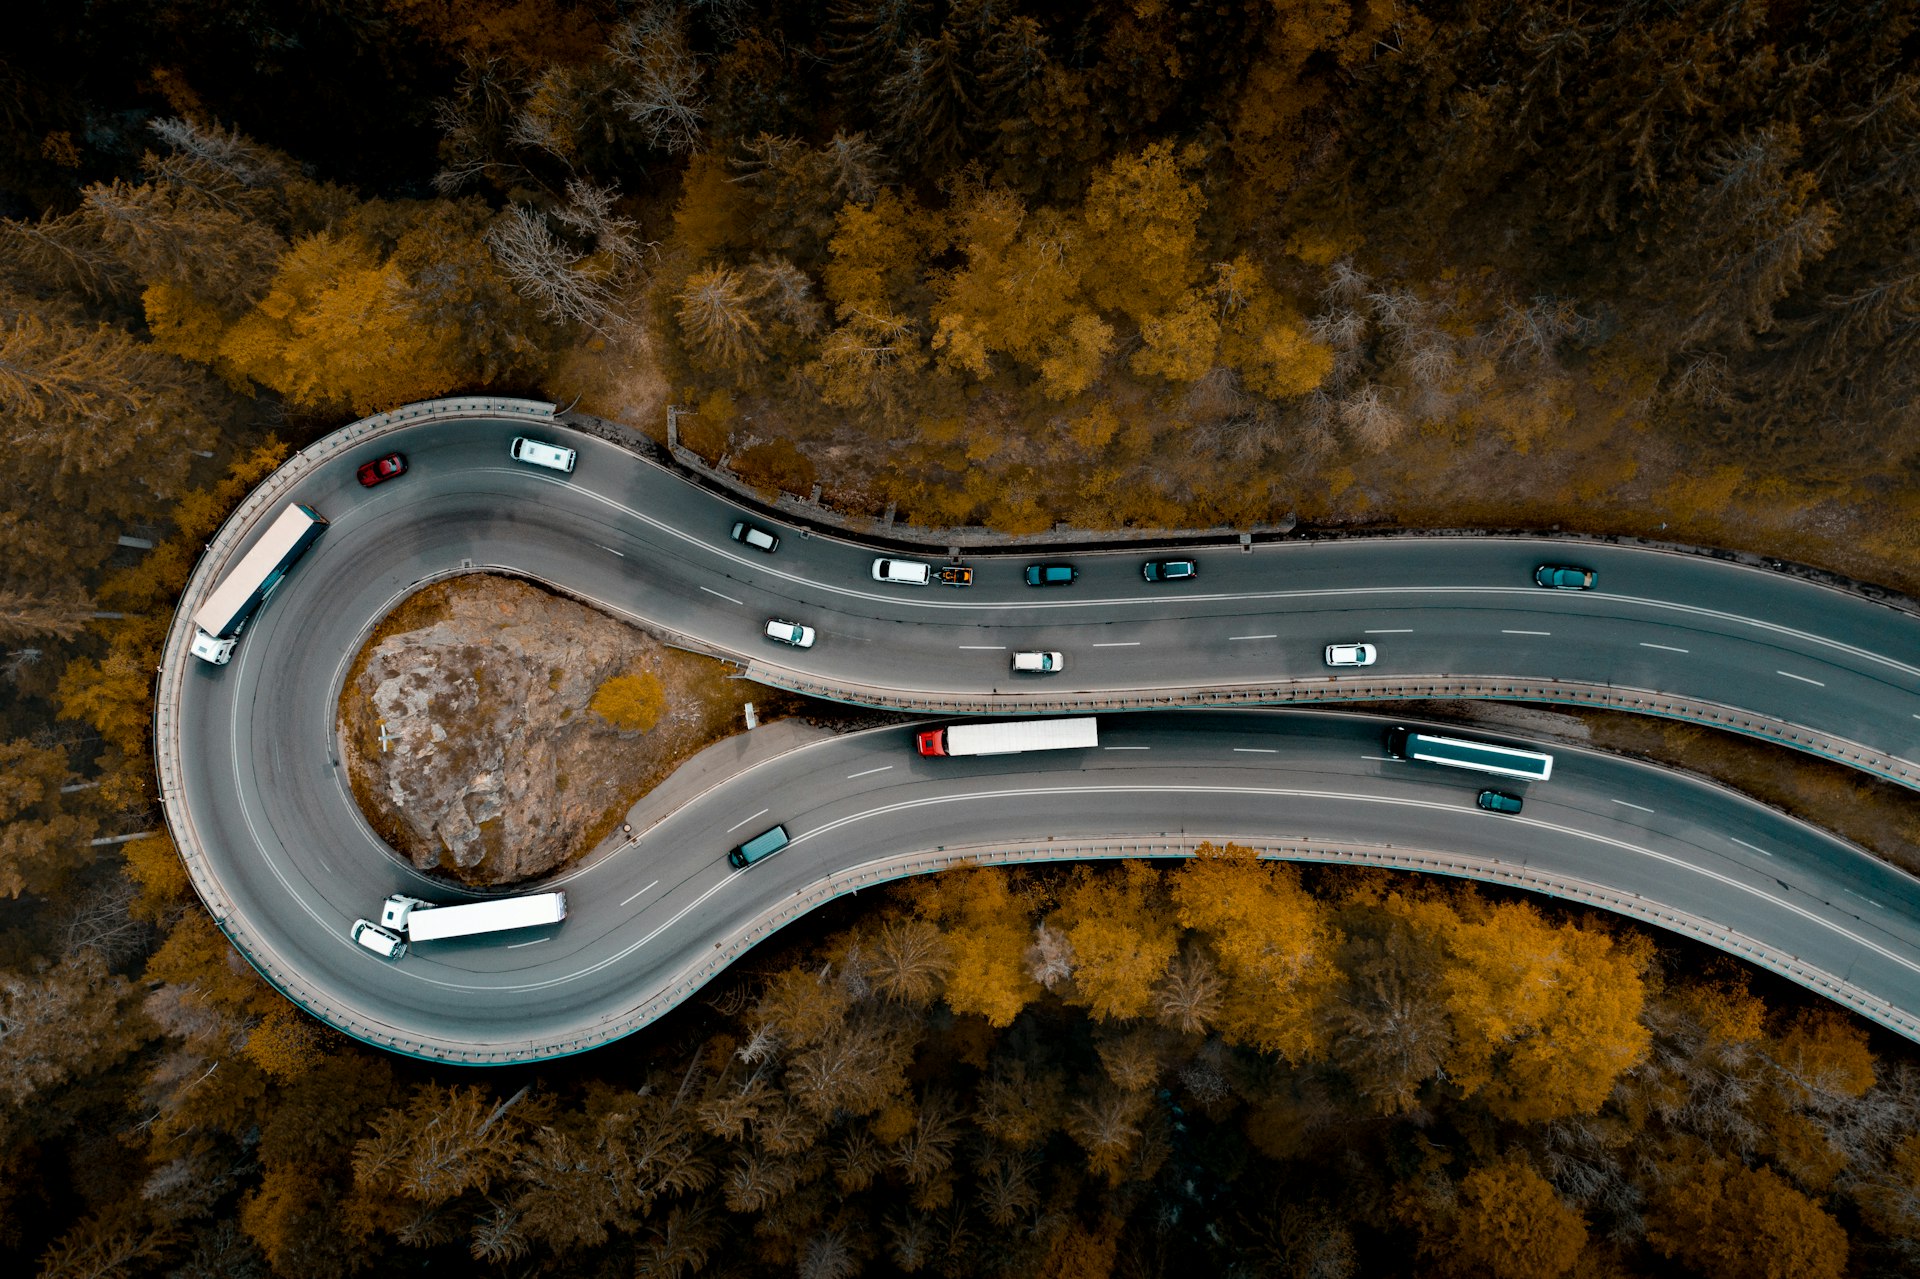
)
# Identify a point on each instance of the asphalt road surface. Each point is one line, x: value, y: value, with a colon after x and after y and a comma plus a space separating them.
x: 272, y: 808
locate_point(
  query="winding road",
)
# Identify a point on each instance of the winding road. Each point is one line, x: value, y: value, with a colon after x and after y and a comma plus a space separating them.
x: 260, y: 807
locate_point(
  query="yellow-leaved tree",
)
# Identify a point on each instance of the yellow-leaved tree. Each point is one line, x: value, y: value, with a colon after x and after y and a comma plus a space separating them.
x: 986, y: 929
x: 1140, y: 256
x: 1726, y: 1221
x: 337, y: 326
x: 1545, y: 1016
x: 878, y: 254
x: 1511, y: 1225
x: 1274, y: 941
x: 1019, y: 294
x: 1122, y: 934
x: 631, y: 703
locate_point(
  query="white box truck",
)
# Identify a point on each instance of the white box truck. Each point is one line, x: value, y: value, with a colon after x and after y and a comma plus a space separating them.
x: 1010, y: 737
x: 420, y: 921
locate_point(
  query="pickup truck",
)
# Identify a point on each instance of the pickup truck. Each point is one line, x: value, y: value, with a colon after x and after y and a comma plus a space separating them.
x: 954, y: 575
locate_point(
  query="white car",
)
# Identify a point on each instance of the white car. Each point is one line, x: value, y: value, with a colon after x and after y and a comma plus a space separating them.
x: 551, y: 455
x: 378, y: 940
x: 1040, y: 663
x: 1350, y: 655
x: 758, y: 538
x: 902, y: 572
x: 789, y: 633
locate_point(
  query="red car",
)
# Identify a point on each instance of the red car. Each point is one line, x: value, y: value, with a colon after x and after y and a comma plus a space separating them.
x: 384, y: 468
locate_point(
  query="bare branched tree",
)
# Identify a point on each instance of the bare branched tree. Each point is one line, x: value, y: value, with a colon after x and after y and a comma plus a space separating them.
x: 1373, y: 422
x: 912, y: 1240
x: 662, y: 94
x: 679, y: 1245
x: 474, y: 123
x: 716, y: 314
x: 1346, y: 285
x: 857, y: 1160
x: 927, y: 1151
x: 549, y: 117
x: 1188, y: 997
x: 1535, y: 331
x: 1050, y: 957
x: 239, y: 157
x: 909, y: 961
x: 828, y: 1255
x: 786, y: 294
x: 497, y: 1236
x: 545, y: 270
x: 1006, y: 1188
x: 590, y: 212
x: 1703, y: 380
x: 100, y: 920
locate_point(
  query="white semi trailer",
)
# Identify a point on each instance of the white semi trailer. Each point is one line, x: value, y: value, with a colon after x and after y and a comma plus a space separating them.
x: 419, y: 921
x: 1010, y: 737
x: 218, y: 622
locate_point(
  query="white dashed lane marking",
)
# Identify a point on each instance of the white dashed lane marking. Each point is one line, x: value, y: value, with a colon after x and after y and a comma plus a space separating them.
x: 744, y: 820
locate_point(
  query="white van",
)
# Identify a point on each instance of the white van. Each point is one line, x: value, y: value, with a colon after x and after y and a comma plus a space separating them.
x: 526, y: 450
x: 378, y: 940
x: 902, y: 572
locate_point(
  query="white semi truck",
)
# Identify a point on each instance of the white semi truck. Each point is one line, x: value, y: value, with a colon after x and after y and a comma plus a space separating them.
x: 218, y: 622
x: 1010, y: 737
x: 419, y: 921
x: 404, y: 920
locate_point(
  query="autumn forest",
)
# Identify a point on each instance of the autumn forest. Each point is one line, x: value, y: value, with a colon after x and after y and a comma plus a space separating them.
x: 1649, y: 266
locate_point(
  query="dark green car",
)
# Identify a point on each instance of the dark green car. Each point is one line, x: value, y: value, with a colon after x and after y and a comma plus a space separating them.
x: 1051, y: 574
x: 1564, y: 577
x: 1498, y: 801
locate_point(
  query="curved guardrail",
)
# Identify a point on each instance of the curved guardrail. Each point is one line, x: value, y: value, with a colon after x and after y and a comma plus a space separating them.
x: 174, y: 656
x: 691, y: 979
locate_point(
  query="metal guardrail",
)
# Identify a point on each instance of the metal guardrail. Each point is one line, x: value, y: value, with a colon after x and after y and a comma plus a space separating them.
x: 1351, y: 689
x: 978, y: 539
x: 694, y: 976
x: 175, y: 654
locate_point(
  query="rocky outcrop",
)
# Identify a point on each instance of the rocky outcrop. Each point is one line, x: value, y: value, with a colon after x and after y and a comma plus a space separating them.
x: 492, y: 767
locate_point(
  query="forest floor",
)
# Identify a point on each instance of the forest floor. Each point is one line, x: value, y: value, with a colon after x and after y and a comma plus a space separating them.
x: 496, y: 768
x: 616, y: 377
